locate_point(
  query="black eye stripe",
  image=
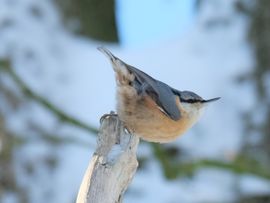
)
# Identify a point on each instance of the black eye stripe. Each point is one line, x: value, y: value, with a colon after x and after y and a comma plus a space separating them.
x: 190, y: 100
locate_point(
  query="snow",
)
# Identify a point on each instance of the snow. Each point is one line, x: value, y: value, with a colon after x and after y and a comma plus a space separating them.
x: 72, y: 74
x: 251, y: 185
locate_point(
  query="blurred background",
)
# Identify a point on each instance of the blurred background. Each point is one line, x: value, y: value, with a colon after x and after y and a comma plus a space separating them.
x: 55, y: 85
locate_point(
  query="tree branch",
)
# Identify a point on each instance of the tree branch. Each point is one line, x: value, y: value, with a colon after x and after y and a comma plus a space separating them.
x: 241, y: 164
x: 5, y: 65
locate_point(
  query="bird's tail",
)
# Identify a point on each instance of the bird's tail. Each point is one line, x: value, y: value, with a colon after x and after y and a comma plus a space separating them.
x: 123, y: 75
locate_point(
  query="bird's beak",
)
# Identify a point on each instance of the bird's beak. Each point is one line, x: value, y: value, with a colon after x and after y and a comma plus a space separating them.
x: 210, y: 100
x: 108, y: 54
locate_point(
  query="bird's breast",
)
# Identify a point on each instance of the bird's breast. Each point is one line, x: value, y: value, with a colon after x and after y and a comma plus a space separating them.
x: 142, y: 116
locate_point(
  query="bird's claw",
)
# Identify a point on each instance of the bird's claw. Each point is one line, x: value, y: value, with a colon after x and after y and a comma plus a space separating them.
x: 107, y: 115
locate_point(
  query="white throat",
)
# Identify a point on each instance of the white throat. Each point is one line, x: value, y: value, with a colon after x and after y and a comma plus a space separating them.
x: 194, y: 110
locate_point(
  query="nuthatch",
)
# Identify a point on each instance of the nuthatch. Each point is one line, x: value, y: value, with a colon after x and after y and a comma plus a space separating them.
x: 150, y: 108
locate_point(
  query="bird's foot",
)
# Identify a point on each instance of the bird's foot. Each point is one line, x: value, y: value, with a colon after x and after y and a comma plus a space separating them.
x: 128, y: 131
x: 107, y: 115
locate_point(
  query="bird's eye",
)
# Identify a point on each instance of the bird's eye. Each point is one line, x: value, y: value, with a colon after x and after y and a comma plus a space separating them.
x: 192, y: 100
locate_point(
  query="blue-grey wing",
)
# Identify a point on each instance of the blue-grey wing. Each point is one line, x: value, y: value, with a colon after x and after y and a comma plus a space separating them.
x: 167, y: 100
x: 160, y: 92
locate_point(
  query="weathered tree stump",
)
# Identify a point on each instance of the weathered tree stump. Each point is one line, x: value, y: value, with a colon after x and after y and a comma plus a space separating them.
x: 112, y: 166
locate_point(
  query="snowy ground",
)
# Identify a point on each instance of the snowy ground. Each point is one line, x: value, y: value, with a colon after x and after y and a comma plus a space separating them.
x: 71, y: 73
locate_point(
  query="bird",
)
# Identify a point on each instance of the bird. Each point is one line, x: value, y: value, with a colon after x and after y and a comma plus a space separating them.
x: 151, y: 109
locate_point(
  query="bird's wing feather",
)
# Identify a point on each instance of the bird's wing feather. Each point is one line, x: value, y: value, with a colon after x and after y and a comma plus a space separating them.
x: 160, y: 92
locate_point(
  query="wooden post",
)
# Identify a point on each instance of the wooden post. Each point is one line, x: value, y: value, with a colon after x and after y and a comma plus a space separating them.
x: 112, y: 166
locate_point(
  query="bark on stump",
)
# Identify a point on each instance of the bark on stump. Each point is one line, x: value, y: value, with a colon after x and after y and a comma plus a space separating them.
x: 112, y: 166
